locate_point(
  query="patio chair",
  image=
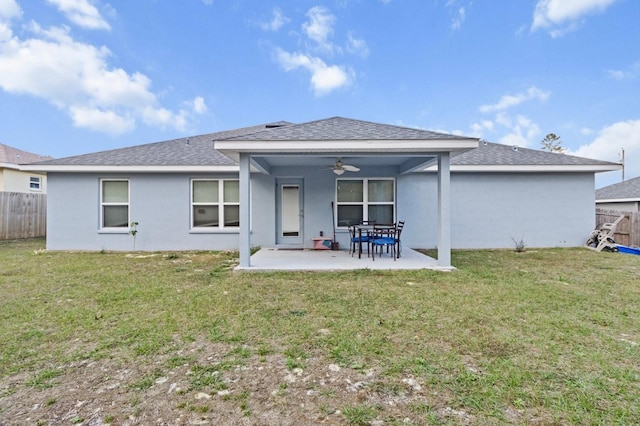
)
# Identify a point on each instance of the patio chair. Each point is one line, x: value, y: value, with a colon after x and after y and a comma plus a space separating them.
x: 357, y: 238
x: 381, y: 237
x: 398, y: 241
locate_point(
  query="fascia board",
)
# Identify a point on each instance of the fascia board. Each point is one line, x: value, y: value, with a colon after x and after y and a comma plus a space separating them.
x: 129, y: 169
x: 9, y: 166
x: 596, y: 168
x: 618, y: 200
x: 356, y: 146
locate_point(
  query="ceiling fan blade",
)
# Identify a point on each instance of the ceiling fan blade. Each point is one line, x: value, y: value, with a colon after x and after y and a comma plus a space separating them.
x: 350, y: 168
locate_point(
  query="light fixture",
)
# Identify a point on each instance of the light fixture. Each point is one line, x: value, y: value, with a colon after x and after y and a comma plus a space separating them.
x: 338, y: 171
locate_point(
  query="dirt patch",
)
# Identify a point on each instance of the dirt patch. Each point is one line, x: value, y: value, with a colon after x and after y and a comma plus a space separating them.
x: 204, y: 384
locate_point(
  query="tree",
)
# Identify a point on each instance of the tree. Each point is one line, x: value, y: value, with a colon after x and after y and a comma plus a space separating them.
x: 552, y: 143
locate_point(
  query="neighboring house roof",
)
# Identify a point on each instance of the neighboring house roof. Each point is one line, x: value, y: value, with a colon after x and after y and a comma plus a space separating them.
x: 199, y: 153
x: 14, y: 156
x: 629, y: 190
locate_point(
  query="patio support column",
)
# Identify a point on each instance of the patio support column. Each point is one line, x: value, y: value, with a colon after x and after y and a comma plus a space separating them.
x: 245, y: 211
x: 444, y: 210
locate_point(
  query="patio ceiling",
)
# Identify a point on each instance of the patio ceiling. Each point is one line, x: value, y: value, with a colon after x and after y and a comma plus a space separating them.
x: 405, y: 163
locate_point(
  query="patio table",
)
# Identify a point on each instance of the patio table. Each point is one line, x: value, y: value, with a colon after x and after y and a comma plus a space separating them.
x: 359, y: 229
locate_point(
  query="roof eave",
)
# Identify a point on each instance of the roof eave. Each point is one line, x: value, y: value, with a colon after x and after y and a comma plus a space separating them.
x: 618, y: 200
x: 524, y: 168
x: 9, y: 166
x: 232, y: 148
x: 48, y: 168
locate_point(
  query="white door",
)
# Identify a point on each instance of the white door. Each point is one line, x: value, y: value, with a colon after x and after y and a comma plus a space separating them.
x: 290, y: 213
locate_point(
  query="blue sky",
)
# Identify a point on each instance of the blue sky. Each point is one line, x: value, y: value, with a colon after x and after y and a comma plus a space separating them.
x: 79, y: 76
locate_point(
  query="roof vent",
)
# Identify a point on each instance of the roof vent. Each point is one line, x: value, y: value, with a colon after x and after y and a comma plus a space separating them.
x: 515, y: 147
x: 188, y: 142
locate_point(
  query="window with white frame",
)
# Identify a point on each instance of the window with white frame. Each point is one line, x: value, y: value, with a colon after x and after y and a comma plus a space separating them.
x: 365, y: 199
x: 215, y: 203
x: 114, y: 200
x: 35, y: 183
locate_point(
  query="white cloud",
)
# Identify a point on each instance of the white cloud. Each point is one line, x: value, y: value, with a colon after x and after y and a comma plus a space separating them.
x: 81, y: 13
x: 161, y: 117
x: 610, y: 141
x: 515, y: 130
x: 478, y: 129
x: 76, y: 78
x: 459, y: 12
x: 459, y: 18
x: 503, y: 119
x: 561, y: 16
x: 509, y: 101
x: 9, y: 10
x: 617, y: 74
x: 319, y: 28
x: 357, y: 46
x: 199, y: 107
x: 108, y: 122
x: 523, y: 133
x: 207, y: 2
x: 631, y: 72
x: 276, y: 22
x: 324, y: 78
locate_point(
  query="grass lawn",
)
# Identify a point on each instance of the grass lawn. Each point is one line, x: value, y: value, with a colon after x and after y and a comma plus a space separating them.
x: 541, y: 337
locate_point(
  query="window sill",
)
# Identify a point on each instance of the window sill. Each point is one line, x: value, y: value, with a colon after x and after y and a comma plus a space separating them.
x: 113, y: 231
x: 214, y: 231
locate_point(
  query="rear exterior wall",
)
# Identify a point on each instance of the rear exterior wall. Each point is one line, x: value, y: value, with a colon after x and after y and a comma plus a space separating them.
x: 160, y: 203
x: 488, y: 210
x: 497, y: 210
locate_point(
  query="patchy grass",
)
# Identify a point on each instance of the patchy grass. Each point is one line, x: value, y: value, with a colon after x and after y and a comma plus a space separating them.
x: 547, y: 336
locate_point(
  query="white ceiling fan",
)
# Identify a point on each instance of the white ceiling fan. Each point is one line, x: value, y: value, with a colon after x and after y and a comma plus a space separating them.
x: 339, y: 167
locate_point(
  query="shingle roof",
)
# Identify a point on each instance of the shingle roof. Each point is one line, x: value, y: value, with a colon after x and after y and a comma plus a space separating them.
x: 493, y: 154
x: 189, y: 151
x: 199, y: 150
x: 629, y: 189
x: 339, y: 128
x: 11, y: 155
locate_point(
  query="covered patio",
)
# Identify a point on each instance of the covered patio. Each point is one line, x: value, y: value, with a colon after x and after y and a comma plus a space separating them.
x: 292, y: 156
x: 273, y: 259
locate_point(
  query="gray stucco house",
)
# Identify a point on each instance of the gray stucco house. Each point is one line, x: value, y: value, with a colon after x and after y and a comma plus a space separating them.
x: 621, y: 196
x: 282, y: 184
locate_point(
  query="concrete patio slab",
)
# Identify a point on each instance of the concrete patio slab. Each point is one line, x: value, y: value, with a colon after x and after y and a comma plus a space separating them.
x: 273, y: 259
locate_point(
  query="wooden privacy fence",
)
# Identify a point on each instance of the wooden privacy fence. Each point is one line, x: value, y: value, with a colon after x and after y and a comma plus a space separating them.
x: 22, y: 215
x: 628, y: 229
